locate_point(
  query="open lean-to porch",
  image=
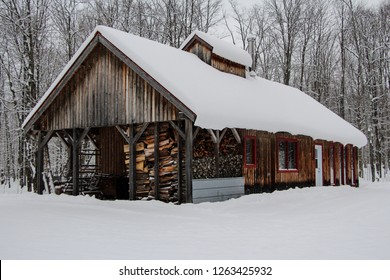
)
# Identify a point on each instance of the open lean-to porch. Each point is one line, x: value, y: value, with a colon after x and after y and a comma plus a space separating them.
x: 174, y: 161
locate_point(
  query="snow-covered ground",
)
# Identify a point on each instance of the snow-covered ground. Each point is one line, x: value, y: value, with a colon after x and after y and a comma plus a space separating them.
x: 310, y: 223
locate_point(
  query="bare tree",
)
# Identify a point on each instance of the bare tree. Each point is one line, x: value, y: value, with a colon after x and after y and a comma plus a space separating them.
x: 287, y: 16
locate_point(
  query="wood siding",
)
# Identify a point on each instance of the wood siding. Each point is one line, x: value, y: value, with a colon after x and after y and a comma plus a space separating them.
x: 112, y: 157
x: 205, y: 53
x: 266, y: 176
x: 262, y: 176
x: 305, y: 174
x: 200, y: 50
x: 227, y: 66
x: 106, y: 92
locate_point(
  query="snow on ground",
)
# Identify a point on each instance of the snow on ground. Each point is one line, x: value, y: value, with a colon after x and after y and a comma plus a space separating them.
x: 310, y: 223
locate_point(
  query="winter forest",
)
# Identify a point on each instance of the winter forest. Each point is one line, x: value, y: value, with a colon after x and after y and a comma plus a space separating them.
x: 337, y: 51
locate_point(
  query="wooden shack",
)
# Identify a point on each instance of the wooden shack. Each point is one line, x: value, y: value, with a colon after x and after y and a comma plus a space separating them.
x: 145, y: 110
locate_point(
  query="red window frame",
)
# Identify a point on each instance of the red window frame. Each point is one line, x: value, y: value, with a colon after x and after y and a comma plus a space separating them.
x: 287, y: 140
x: 253, y: 141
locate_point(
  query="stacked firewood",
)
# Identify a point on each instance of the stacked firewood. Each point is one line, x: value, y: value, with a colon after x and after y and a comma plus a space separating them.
x: 230, y: 166
x: 203, y: 168
x: 230, y: 156
x: 203, y: 145
x: 229, y: 145
x: 145, y: 158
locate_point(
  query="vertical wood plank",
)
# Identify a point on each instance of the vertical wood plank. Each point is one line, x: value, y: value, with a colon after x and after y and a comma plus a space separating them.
x: 180, y: 166
x: 216, y: 154
x: 188, y: 159
x: 39, y: 164
x: 132, y: 170
x: 156, y: 161
x: 76, y: 163
x: 153, y: 104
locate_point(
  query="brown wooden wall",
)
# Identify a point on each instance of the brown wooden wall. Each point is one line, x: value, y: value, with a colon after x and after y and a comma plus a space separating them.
x: 305, y: 176
x: 105, y: 92
x: 204, y: 52
x: 262, y: 176
x: 201, y: 51
x: 227, y: 66
x: 112, y: 157
x: 265, y: 176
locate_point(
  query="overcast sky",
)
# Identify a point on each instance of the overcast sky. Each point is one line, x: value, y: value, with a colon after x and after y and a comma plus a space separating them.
x: 221, y: 31
x: 372, y: 3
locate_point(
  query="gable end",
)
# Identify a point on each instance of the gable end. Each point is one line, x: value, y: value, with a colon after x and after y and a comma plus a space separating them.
x: 42, y: 115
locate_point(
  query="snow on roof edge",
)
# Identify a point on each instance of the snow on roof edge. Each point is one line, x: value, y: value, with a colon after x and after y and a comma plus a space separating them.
x: 235, y: 87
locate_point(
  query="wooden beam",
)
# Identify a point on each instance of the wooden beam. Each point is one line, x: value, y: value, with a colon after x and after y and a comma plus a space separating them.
x: 39, y: 164
x: 63, y: 140
x: 75, y: 163
x: 42, y: 142
x: 132, y: 139
x: 66, y: 133
x: 195, y: 133
x: 139, y: 134
x: 177, y: 128
x: 213, y: 136
x: 236, y: 135
x: 93, y: 142
x: 180, y: 169
x: 189, y: 154
x: 222, y: 135
x: 132, y: 169
x: 156, y: 161
x: 217, y: 137
x: 216, y: 154
x: 123, y: 133
x: 47, y: 138
x: 69, y: 144
x: 82, y: 136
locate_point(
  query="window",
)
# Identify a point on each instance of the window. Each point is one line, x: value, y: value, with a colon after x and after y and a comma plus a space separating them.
x: 250, y: 151
x: 287, y: 151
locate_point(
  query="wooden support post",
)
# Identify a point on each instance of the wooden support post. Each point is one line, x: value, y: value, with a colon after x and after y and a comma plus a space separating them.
x: 39, y: 164
x: 95, y: 145
x: 76, y: 142
x: 189, y: 154
x: 180, y: 169
x: 177, y: 128
x: 132, y: 169
x: 179, y: 137
x: 156, y: 161
x: 42, y: 141
x: 217, y: 137
x: 216, y: 152
x: 63, y: 140
x: 75, y: 163
x: 131, y: 139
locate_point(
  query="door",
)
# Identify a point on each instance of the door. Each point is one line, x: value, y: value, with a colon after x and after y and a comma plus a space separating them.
x: 318, y: 158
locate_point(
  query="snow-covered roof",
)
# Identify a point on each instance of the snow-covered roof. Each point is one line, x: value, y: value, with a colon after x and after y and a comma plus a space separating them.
x: 222, y: 48
x: 223, y: 100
